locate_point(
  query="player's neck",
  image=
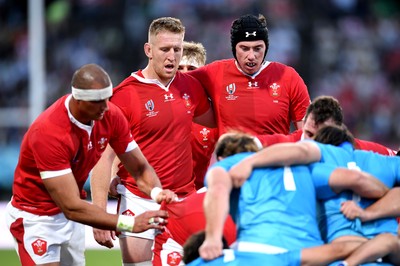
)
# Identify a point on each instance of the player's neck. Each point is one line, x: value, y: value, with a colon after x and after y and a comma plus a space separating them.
x: 149, y: 73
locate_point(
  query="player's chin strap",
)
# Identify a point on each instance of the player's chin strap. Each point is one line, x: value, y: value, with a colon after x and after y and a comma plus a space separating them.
x: 92, y: 94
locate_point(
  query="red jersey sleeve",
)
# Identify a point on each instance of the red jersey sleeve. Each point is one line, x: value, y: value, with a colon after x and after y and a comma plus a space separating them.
x: 299, y: 96
x: 197, y: 91
x: 373, y: 146
x: 267, y: 140
x: 121, y: 136
x: 48, y: 154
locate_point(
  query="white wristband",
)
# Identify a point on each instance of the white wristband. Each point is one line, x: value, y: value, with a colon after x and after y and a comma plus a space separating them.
x: 154, y: 193
x: 125, y: 223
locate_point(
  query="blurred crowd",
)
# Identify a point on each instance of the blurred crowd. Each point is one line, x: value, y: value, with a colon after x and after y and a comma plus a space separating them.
x: 349, y: 49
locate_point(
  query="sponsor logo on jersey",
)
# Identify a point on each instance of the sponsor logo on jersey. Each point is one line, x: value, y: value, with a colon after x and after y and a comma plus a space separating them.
x: 275, y: 90
x: 168, y: 97
x: 231, y: 89
x: 174, y: 258
x: 150, y: 107
x: 90, y: 145
x: 103, y: 143
x: 252, y: 85
x: 128, y: 213
x: 39, y: 246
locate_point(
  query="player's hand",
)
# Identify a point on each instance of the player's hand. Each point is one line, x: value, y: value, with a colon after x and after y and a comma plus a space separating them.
x: 112, y: 190
x: 211, y: 248
x: 104, y: 237
x: 166, y: 195
x: 240, y: 173
x: 150, y: 220
x: 351, y: 210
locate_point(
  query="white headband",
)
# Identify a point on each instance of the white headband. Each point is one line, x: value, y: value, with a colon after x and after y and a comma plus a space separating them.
x: 189, y: 62
x: 92, y: 95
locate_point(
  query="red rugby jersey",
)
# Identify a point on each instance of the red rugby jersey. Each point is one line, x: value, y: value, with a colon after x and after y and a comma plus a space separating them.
x: 203, y: 144
x: 55, y: 145
x: 160, y: 119
x: 264, y: 103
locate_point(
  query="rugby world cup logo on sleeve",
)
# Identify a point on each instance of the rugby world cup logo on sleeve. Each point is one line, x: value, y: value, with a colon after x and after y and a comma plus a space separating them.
x: 39, y: 247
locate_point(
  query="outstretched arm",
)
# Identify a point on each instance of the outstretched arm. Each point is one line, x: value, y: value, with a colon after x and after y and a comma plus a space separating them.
x: 361, y: 183
x: 99, y: 184
x: 281, y: 154
x: 216, y: 208
x: 65, y: 193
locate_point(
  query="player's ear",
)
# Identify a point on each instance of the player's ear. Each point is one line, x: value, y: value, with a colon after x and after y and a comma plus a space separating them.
x: 147, y: 50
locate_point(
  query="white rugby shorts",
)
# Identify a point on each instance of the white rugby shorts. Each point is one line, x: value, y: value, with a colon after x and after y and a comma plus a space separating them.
x: 45, y: 239
x: 131, y: 204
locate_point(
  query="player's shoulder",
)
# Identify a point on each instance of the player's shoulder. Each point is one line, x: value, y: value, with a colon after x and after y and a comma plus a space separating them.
x: 277, y: 66
x: 113, y: 113
x: 374, y: 147
x: 55, y: 116
x: 220, y: 63
x: 186, y: 80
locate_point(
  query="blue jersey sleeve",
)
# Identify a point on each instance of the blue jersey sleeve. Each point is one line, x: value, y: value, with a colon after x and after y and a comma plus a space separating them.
x: 228, y: 162
x: 321, y: 173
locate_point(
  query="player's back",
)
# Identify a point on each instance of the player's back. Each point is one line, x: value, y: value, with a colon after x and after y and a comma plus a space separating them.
x: 385, y: 168
x: 276, y: 207
x: 331, y: 220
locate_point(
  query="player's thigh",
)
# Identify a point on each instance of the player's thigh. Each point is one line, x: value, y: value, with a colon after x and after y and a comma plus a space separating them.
x: 135, y: 249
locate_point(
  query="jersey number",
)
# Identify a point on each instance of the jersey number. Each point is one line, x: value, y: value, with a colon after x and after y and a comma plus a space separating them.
x: 353, y: 166
x: 288, y: 179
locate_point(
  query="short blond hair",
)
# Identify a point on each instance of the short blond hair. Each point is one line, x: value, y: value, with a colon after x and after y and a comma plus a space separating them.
x: 195, y: 51
x: 170, y: 24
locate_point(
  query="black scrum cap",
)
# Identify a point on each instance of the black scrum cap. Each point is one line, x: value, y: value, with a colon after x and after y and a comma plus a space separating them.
x: 249, y: 28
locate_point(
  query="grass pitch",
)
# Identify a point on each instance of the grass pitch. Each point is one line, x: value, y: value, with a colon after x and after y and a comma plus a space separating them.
x: 94, y: 257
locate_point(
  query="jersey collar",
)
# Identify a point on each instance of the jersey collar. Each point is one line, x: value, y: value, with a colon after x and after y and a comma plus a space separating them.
x: 263, y: 66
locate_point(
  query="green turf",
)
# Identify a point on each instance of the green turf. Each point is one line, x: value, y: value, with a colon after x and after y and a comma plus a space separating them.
x: 94, y: 257
x: 9, y: 257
